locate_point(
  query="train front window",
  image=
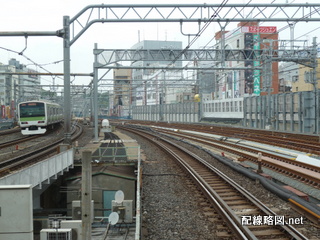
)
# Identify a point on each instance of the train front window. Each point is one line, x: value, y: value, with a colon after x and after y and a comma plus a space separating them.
x: 32, y: 110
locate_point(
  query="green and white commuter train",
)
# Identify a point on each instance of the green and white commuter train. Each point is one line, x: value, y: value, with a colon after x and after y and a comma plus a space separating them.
x: 34, y: 117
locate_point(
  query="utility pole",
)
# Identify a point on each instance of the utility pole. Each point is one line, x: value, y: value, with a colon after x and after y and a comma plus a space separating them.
x: 86, y: 195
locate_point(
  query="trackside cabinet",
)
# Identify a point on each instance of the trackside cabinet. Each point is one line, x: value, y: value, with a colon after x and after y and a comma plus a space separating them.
x: 16, y: 212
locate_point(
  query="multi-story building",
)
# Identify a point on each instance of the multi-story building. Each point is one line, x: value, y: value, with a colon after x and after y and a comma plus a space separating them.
x: 304, y: 80
x: 288, y: 74
x: 8, y: 91
x: 148, y: 88
x: 8, y: 84
x: 294, y: 77
x: 122, y: 92
x: 166, y: 87
x: 28, y: 86
x: 15, y: 88
x: 239, y: 83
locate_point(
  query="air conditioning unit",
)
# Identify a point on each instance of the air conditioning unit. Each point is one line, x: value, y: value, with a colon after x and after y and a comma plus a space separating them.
x: 124, y: 209
x: 76, y: 210
x: 121, y: 210
x: 76, y: 226
x: 54, y: 220
x: 53, y: 234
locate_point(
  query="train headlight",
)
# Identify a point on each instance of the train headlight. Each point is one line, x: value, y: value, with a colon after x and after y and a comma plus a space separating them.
x: 24, y: 122
x: 40, y: 121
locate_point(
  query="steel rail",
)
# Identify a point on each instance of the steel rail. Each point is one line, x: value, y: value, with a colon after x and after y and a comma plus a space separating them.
x: 286, y: 140
x: 223, y: 143
x: 236, y: 186
x: 229, y: 216
x: 9, y: 131
x: 16, y: 141
x: 308, y: 143
x: 307, y: 211
x: 242, y: 232
x: 303, y: 171
x: 113, y: 140
x: 21, y: 161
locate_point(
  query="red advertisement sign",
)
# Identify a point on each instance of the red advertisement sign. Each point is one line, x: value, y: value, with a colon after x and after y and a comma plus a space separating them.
x: 259, y: 29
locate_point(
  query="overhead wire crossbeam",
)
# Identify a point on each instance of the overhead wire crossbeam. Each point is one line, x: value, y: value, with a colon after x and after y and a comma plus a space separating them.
x: 114, y: 13
x: 109, y: 57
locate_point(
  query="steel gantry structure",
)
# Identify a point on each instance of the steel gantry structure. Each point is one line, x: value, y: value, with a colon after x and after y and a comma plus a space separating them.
x: 108, y: 57
x: 180, y: 13
x: 304, y: 55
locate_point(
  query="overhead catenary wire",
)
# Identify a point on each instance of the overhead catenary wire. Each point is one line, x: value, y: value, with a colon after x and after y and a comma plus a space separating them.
x: 196, y: 37
x: 203, y: 29
x: 35, y: 64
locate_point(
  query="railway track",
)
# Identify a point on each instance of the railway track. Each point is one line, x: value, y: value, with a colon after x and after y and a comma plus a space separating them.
x: 300, y: 142
x: 111, y: 149
x: 308, y: 173
x: 16, y: 141
x: 23, y: 160
x: 9, y: 131
x: 21, y: 139
x: 303, y: 172
x: 238, y: 208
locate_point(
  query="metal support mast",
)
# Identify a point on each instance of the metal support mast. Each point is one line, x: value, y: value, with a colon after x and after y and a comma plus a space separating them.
x: 267, y: 84
x: 66, y: 67
x: 95, y: 95
x: 315, y: 87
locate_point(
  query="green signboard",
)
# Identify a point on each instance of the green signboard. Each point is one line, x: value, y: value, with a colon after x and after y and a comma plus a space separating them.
x: 256, y: 73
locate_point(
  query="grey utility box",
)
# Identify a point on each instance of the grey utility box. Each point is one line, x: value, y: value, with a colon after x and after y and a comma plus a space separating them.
x: 16, y: 213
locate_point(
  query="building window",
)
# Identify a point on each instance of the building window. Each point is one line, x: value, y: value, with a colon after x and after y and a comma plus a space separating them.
x: 295, y: 78
x: 307, y: 77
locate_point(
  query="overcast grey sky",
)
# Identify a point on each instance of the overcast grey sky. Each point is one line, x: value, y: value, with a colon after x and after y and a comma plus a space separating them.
x: 45, y: 15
